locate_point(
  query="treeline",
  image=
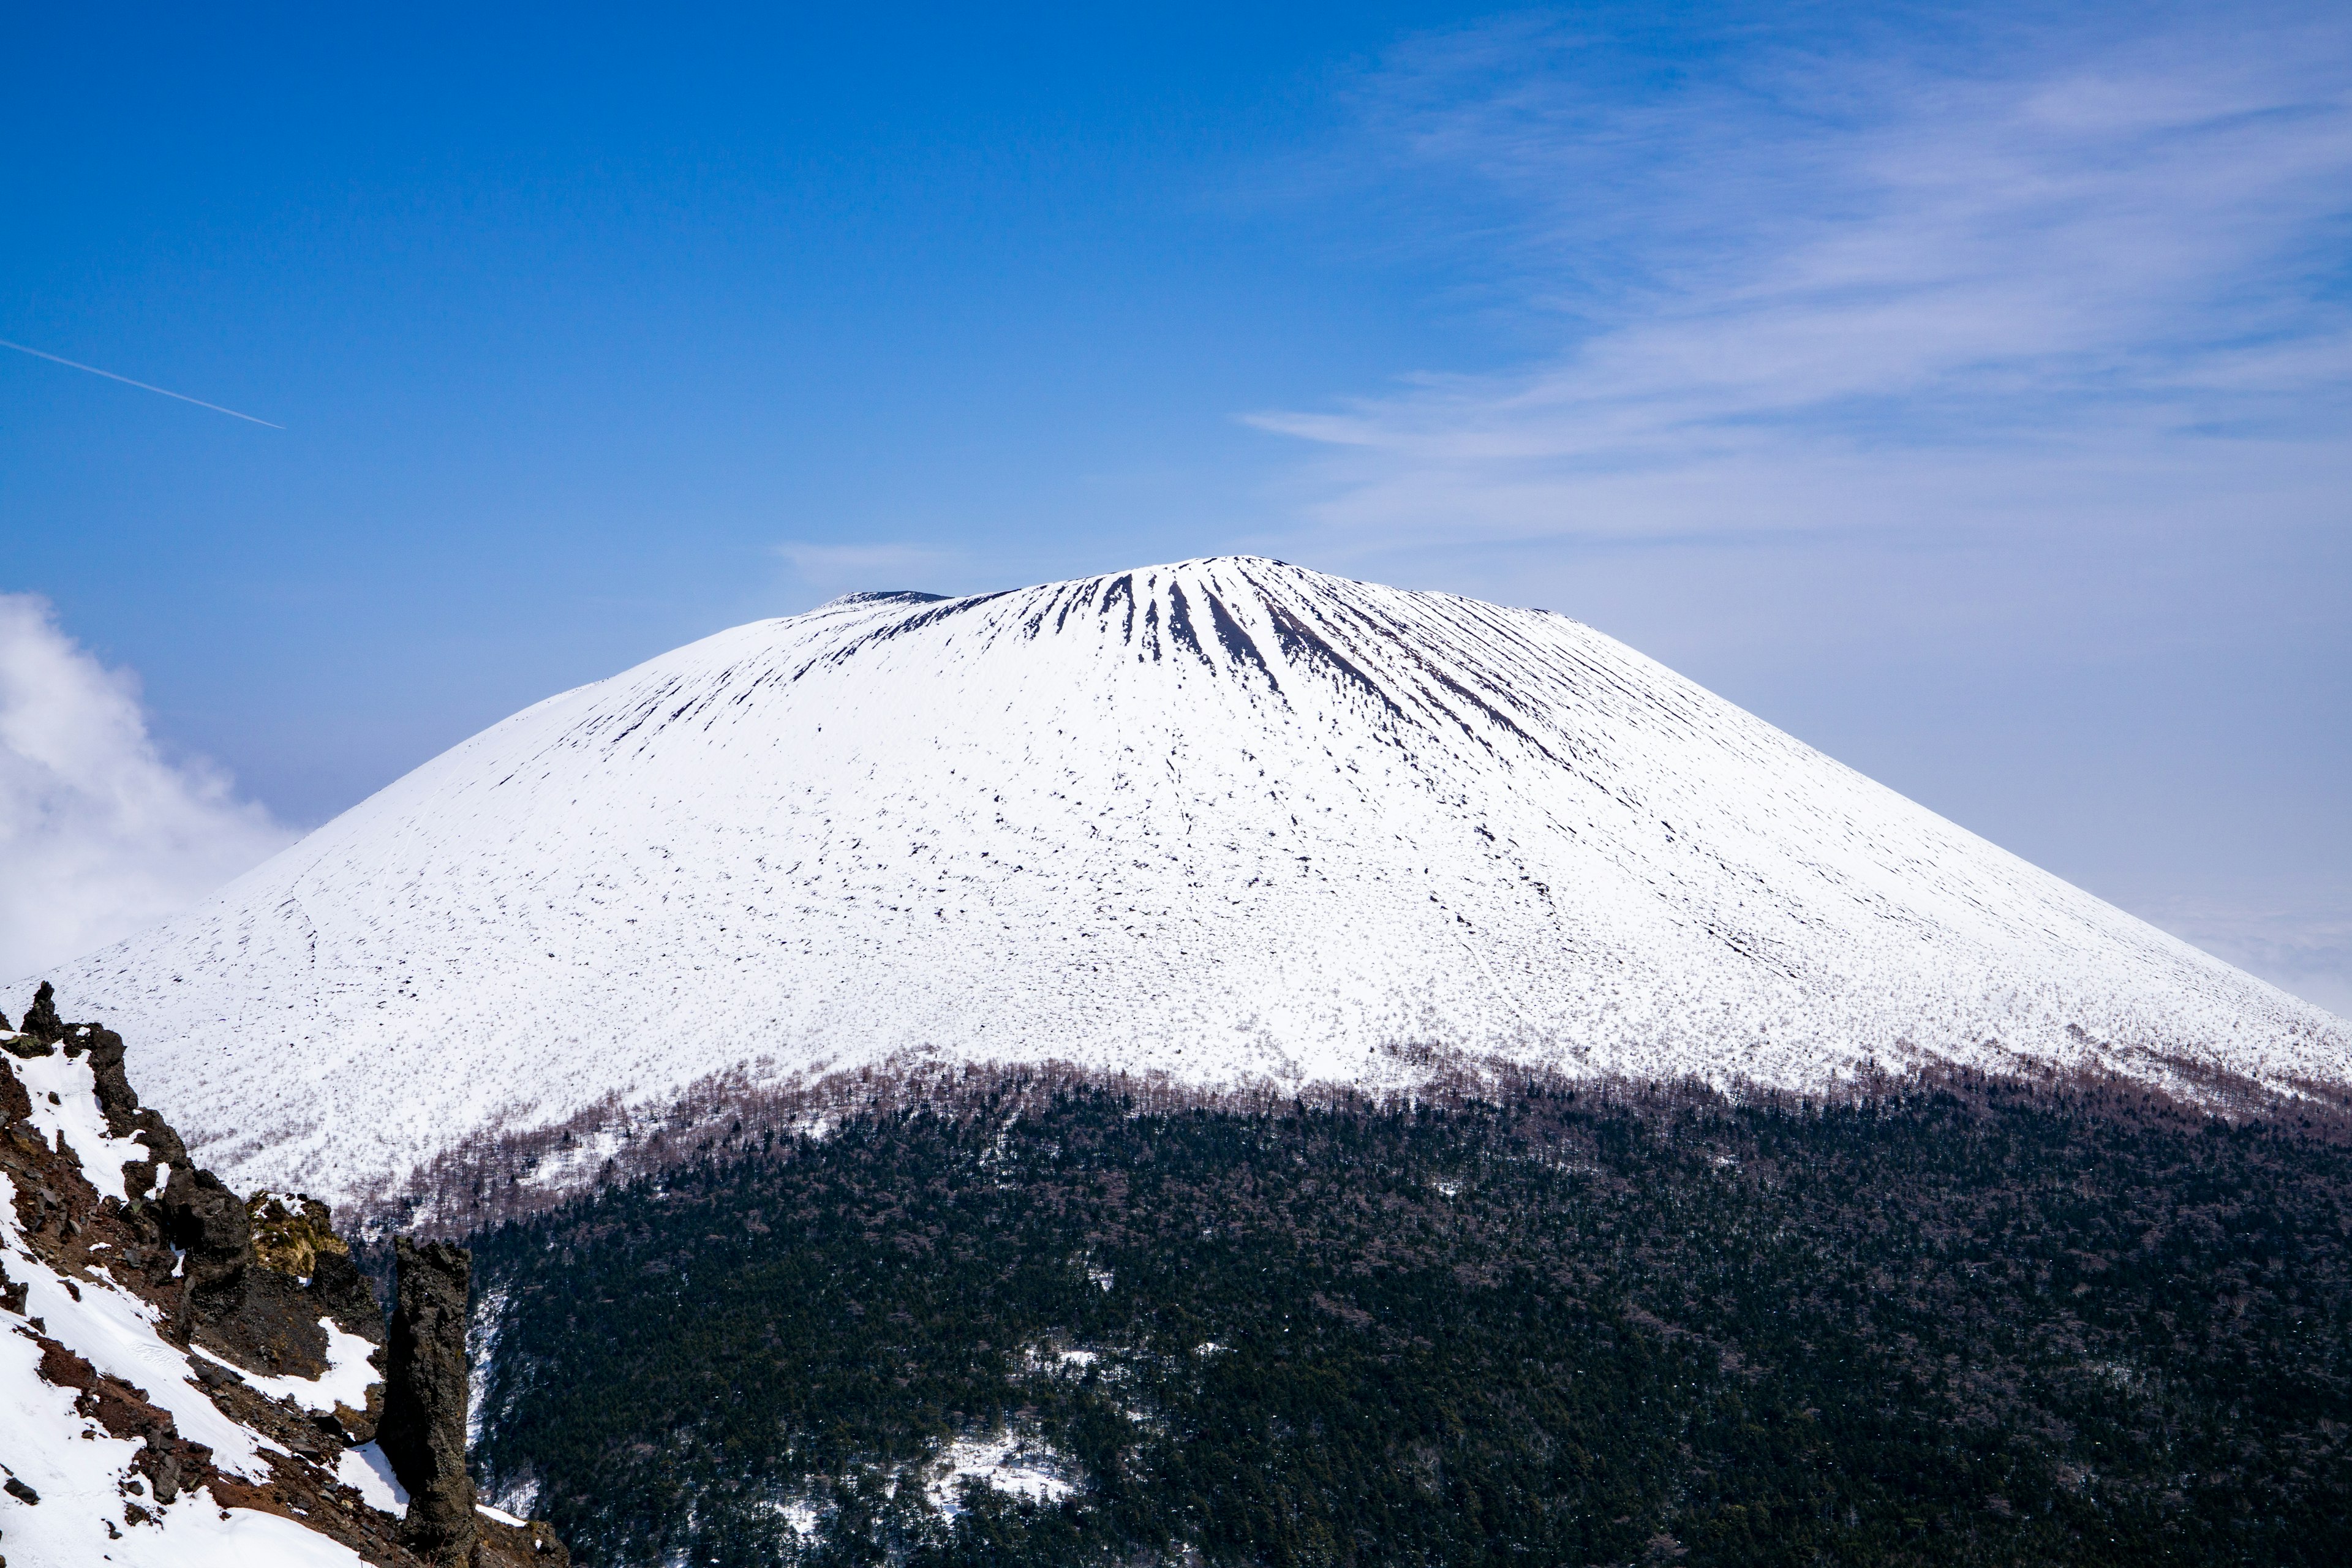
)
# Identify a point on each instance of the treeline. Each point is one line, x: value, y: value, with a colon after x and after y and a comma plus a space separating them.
x: 1968, y: 1324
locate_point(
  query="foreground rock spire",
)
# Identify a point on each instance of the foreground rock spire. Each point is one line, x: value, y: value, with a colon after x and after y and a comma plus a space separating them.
x: 426, y: 1387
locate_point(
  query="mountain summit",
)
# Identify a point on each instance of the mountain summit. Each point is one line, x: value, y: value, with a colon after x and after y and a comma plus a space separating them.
x: 1229, y: 820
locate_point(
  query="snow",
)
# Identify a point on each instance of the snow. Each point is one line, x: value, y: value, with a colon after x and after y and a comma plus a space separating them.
x: 499, y: 1514
x: 1058, y: 1358
x: 1027, y: 1470
x: 345, y: 1380
x: 801, y: 1515
x: 365, y: 1469
x: 1229, y: 820
x: 76, y: 1114
x: 482, y: 1345
x: 517, y: 1495
x: 569, y: 1167
x: 77, y: 1480
x: 115, y: 1331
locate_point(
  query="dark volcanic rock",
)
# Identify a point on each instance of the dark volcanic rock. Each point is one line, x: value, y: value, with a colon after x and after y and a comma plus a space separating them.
x: 296, y: 1238
x: 297, y: 1272
x: 256, y: 1316
x: 41, y: 1020
x: 259, y: 1310
x: 118, y: 1102
x: 336, y: 1284
x: 208, y: 1222
x: 116, y: 1099
x: 15, y: 1104
x: 28, y: 1044
x: 422, y: 1432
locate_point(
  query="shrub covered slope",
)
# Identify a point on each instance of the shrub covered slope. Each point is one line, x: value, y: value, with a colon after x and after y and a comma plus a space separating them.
x: 1971, y: 1324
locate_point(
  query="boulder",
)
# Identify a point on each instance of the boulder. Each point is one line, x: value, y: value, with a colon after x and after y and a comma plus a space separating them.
x: 207, y: 1222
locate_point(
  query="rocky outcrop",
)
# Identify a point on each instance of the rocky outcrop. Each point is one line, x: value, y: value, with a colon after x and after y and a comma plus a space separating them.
x: 260, y: 1308
x: 291, y: 1232
x: 233, y: 1292
x: 119, y: 1104
x: 41, y: 1024
x: 422, y: 1432
x: 298, y: 1258
x: 207, y: 1223
x: 26, y: 1043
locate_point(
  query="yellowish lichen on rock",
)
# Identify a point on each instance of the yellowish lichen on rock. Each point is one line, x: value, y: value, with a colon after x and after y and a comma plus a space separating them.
x: 289, y: 1234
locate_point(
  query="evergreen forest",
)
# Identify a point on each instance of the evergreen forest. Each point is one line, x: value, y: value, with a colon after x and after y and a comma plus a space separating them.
x: 1968, y: 1322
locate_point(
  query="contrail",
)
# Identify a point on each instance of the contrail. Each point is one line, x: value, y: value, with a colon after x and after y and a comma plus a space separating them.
x: 126, y: 381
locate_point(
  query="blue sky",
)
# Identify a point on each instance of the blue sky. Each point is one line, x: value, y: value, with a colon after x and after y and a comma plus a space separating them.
x: 1963, y: 390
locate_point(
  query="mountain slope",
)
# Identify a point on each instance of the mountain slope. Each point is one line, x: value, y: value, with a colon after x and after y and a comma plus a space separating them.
x: 1229, y: 820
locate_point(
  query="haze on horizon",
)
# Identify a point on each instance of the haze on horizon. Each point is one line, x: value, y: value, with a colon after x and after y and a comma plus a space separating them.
x: 1961, y: 390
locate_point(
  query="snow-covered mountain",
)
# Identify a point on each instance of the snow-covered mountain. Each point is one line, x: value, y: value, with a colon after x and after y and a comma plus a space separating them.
x: 1229, y: 820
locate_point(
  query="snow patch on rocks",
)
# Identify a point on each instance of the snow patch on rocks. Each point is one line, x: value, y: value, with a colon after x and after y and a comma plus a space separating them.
x: 346, y: 1381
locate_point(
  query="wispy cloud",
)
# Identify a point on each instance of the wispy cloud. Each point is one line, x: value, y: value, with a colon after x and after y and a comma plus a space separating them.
x: 99, y: 833
x: 848, y: 568
x: 2009, y: 352
x: 2303, y: 947
x: 1824, y: 285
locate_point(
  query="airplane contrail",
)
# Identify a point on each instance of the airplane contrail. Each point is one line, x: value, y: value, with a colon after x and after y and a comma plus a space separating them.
x: 126, y: 381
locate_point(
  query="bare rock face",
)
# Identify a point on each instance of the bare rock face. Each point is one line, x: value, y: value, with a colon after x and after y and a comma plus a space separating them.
x: 208, y: 1222
x: 38, y: 1036
x: 291, y: 1231
x: 422, y: 1432
x: 295, y: 1238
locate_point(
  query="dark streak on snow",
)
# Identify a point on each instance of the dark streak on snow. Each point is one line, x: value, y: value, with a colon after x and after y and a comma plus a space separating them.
x: 1180, y: 624
x: 1237, y: 641
x: 1303, y: 644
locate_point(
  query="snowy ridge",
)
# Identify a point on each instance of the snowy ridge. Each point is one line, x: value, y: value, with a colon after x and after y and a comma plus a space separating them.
x: 1230, y: 820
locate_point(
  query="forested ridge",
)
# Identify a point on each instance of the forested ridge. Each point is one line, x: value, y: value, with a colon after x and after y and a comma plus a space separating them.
x: 1976, y: 1323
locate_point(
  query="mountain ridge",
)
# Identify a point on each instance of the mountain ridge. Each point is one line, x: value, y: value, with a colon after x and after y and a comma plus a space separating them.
x: 1229, y: 821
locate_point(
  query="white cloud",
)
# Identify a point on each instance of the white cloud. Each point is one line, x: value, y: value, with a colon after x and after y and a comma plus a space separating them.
x: 100, y: 835
x: 1824, y: 290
